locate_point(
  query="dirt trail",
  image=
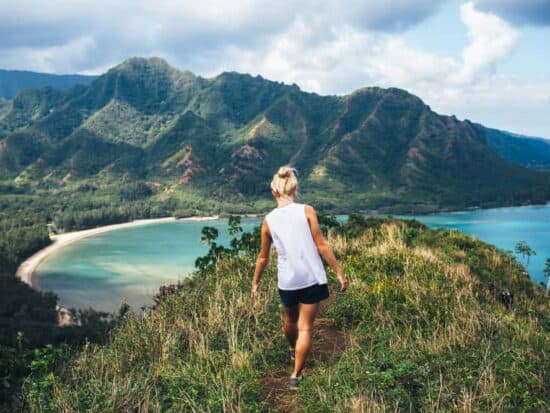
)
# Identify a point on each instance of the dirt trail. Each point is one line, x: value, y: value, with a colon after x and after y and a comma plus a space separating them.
x: 328, y: 342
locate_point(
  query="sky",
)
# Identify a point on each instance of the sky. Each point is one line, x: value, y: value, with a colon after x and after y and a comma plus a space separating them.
x: 483, y: 60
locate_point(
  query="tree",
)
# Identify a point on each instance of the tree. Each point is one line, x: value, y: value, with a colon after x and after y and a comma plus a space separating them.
x: 525, y: 251
x: 326, y: 222
x: 209, y: 235
x: 547, y: 273
x: 235, y: 227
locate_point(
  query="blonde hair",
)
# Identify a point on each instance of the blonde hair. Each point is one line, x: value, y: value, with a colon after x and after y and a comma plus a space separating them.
x: 284, y: 182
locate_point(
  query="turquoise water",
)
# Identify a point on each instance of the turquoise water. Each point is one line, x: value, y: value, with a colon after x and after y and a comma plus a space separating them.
x: 130, y: 264
x: 504, y: 227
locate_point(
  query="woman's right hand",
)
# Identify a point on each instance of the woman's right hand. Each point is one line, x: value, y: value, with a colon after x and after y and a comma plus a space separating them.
x: 344, y: 283
x: 254, y: 293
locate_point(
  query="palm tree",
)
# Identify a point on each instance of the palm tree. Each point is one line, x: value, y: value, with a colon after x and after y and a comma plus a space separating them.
x: 525, y: 251
x: 547, y: 273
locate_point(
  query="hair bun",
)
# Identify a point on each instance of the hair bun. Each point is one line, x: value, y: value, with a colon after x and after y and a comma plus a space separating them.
x: 285, y: 181
x: 284, y: 172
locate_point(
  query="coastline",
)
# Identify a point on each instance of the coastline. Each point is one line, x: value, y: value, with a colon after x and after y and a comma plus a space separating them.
x: 446, y: 210
x: 26, y: 269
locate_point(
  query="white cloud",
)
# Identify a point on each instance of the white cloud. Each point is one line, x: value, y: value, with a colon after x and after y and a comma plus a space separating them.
x: 190, y: 34
x: 48, y: 59
x: 349, y: 57
x: 491, y: 39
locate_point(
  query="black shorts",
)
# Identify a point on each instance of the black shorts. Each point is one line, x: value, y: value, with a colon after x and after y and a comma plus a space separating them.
x: 308, y: 295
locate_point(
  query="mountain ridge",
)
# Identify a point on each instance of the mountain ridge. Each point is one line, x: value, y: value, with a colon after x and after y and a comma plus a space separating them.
x: 14, y: 81
x: 226, y: 135
x: 532, y: 152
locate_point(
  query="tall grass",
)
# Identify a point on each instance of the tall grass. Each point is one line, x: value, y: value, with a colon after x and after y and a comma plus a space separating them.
x: 425, y: 336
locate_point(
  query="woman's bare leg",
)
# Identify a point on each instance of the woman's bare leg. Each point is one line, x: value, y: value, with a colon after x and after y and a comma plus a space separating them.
x: 307, y: 313
x: 290, y: 324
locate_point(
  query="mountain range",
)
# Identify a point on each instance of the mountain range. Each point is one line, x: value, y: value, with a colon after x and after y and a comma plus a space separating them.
x: 224, y: 137
x: 14, y: 81
x: 525, y: 150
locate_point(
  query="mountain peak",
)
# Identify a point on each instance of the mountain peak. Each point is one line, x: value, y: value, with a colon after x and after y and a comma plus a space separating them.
x: 379, y: 91
x: 141, y: 63
x: 150, y: 67
x: 145, y: 83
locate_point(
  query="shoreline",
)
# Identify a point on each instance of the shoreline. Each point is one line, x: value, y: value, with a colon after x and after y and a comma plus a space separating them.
x: 377, y: 212
x: 470, y: 209
x: 27, y: 268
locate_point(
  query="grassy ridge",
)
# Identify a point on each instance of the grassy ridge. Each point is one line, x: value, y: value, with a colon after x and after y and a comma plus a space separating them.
x: 203, y: 349
x: 425, y: 334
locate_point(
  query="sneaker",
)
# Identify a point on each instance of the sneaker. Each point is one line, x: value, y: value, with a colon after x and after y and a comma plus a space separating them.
x: 295, y: 382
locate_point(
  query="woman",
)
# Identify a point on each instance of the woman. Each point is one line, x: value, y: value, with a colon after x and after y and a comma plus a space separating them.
x: 301, y: 277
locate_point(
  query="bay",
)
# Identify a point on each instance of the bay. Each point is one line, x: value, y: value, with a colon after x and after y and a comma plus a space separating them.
x: 129, y: 265
x: 126, y: 265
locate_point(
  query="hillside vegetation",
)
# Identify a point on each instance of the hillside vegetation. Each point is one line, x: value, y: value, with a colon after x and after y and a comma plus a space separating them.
x: 195, y: 141
x: 28, y: 318
x: 424, y: 329
x: 523, y: 150
x: 146, y: 140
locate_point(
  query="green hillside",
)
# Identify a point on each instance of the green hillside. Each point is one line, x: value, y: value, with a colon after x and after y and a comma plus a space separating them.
x: 220, y: 140
x: 421, y: 328
x: 523, y: 150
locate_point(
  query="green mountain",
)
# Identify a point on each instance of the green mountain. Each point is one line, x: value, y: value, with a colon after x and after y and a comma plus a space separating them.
x: 524, y: 150
x: 224, y: 137
x: 14, y: 81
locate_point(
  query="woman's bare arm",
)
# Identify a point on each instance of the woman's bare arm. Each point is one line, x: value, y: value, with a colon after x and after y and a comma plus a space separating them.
x: 323, y: 247
x: 262, y: 260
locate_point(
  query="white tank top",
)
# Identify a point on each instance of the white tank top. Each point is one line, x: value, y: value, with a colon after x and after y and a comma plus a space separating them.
x: 298, y: 262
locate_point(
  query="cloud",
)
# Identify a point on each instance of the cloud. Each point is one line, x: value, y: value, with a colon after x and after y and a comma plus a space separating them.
x: 48, y: 59
x: 527, y: 12
x: 329, y: 47
x: 386, y: 16
x: 349, y: 57
x: 490, y: 39
x: 189, y: 31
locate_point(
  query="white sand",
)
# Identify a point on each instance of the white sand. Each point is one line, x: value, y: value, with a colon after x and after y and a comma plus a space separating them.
x: 27, y: 268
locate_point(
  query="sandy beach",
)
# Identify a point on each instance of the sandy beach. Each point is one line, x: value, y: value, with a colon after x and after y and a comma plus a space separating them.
x: 27, y: 267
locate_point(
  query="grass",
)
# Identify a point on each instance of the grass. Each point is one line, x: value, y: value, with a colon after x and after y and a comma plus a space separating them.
x: 424, y: 335
x: 198, y: 351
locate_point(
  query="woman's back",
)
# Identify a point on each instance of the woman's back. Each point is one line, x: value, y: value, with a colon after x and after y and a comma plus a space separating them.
x: 294, y: 229
x: 298, y: 262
